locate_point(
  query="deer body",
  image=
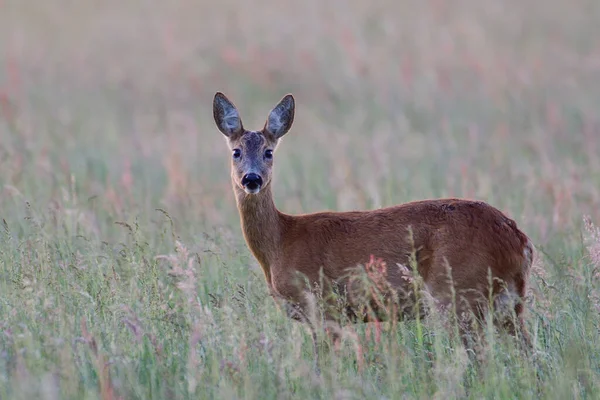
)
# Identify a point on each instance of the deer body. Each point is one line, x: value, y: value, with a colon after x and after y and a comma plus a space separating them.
x: 475, y: 240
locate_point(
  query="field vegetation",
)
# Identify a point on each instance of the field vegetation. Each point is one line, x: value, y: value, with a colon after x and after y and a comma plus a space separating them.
x: 123, y: 271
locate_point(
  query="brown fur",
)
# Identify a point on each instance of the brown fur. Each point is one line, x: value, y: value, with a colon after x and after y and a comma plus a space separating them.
x: 473, y: 238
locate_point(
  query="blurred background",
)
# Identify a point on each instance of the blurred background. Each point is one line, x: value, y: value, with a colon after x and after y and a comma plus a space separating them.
x: 396, y: 101
x: 106, y: 117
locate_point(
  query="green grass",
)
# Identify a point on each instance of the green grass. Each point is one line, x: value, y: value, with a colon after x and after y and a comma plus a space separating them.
x: 123, y: 271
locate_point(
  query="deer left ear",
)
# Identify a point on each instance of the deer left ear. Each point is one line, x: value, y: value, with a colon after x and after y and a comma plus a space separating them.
x: 281, y: 117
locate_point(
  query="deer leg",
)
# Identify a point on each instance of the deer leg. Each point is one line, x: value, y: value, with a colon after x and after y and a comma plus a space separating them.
x: 297, y: 313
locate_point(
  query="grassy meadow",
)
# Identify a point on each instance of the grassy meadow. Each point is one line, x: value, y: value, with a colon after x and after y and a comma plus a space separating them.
x: 123, y: 270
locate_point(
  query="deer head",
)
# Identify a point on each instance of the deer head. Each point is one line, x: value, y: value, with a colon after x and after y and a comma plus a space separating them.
x: 252, y: 151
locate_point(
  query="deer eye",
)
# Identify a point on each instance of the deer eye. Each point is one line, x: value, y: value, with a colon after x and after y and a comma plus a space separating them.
x: 237, y: 153
x: 268, y: 154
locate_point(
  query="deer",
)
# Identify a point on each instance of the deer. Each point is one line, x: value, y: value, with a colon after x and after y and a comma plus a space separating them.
x: 462, y: 249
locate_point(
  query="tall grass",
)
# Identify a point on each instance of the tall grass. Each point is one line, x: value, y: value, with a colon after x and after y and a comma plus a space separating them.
x: 123, y: 272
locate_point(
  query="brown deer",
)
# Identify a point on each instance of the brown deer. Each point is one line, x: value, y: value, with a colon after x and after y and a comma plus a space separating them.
x: 468, y: 254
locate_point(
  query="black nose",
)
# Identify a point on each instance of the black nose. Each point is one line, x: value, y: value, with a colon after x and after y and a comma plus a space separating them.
x: 252, y: 181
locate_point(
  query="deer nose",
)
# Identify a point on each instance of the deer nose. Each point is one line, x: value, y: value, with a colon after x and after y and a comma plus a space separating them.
x: 252, y: 182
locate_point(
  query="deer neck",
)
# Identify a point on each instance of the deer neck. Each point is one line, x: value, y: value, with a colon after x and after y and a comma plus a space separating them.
x: 261, y: 225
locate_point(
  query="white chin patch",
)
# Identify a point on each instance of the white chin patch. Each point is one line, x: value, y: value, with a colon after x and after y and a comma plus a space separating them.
x: 251, y: 191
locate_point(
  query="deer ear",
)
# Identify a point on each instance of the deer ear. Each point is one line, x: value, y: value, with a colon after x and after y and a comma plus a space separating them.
x: 226, y: 115
x: 281, y: 117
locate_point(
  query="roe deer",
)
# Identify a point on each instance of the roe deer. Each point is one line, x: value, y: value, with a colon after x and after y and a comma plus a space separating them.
x: 465, y: 251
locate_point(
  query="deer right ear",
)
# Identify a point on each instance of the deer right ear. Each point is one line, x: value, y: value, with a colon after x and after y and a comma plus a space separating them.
x: 280, y: 118
x: 226, y: 115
